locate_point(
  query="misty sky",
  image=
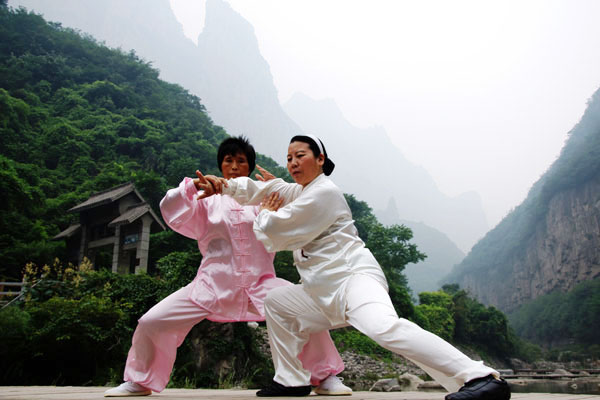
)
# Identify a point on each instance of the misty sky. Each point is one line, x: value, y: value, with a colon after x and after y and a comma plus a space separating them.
x: 480, y: 93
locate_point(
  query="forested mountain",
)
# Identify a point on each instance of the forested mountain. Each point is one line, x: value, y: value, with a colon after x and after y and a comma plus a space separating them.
x: 77, y: 117
x: 550, y: 243
x: 225, y: 69
x: 234, y: 82
x: 148, y: 27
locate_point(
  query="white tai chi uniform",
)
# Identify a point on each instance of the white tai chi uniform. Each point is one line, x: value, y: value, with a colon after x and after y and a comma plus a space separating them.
x: 342, y: 284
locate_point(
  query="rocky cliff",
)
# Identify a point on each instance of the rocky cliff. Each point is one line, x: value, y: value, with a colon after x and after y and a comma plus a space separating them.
x: 563, y: 251
x: 236, y: 85
x: 551, y: 241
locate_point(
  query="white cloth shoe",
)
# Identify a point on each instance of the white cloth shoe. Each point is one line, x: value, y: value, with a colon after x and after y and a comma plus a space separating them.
x: 128, y: 389
x: 333, y: 386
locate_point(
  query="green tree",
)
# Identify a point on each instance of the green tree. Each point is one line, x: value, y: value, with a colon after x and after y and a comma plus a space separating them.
x: 392, y: 250
x: 484, y: 328
x: 436, y: 309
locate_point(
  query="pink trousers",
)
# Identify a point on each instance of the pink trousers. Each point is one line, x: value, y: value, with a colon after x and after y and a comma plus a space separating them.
x: 164, y: 327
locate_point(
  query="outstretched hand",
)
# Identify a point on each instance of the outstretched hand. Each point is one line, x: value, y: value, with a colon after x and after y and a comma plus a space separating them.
x: 272, y: 202
x: 266, y: 175
x: 209, y: 184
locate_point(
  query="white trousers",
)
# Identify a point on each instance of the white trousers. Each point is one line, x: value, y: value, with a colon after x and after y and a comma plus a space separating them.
x: 292, y: 315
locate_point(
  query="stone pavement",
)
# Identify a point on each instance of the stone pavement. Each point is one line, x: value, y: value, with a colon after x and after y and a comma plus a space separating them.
x: 96, y: 393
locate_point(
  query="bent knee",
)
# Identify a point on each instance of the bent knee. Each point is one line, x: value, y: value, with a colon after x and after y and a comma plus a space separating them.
x: 148, y: 322
x: 380, y: 328
x: 274, y: 296
x: 145, y: 321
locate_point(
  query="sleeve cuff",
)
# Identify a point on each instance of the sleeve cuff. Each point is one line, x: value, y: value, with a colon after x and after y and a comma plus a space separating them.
x: 260, y: 234
x: 231, y: 188
x: 188, y: 189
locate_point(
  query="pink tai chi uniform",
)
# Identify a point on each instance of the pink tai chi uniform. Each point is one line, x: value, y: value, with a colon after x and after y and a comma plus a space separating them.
x: 232, y: 282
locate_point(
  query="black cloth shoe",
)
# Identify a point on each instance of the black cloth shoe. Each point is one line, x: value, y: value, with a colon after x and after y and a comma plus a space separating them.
x: 486, y: 388
x: 278, y: 390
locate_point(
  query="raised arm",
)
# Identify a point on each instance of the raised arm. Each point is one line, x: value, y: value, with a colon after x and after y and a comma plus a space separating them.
x: 245, y: 190
x: 182, y: 211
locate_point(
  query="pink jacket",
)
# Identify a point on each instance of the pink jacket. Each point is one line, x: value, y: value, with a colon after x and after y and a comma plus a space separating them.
x: 235, y: 269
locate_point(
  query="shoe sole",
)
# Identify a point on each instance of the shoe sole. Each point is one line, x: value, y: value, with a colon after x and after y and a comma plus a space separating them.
x: 129, y: 394
x: 328, y: 393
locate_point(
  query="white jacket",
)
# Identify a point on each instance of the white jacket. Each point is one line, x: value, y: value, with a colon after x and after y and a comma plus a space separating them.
x: 316, y: 223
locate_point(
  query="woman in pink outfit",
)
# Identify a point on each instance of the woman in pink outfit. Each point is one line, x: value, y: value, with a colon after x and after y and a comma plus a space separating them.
x: 232, y: 282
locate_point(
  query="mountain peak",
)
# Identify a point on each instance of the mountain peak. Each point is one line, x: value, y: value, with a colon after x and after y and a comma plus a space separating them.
x: 224, y: 21
x: 325, y: 109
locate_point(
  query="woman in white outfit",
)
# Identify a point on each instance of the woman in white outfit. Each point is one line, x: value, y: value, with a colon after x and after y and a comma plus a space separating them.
x: 342, y: 283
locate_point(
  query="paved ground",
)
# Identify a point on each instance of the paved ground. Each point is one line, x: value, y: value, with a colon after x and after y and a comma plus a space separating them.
x: 89, y: 393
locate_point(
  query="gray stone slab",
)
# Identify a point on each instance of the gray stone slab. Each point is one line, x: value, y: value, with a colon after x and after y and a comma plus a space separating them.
x: 96, y: 393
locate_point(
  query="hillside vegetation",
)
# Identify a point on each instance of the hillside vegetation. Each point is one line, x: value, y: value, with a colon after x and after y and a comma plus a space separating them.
x: 76, y: 118
x: 568, y: 322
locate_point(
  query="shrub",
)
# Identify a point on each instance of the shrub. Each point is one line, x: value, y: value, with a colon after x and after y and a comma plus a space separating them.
x: 15, y: 329
x: 353, y: 340
x: 62, y: 341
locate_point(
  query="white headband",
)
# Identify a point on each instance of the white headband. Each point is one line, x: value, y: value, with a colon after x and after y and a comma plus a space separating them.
x: 317, y: 141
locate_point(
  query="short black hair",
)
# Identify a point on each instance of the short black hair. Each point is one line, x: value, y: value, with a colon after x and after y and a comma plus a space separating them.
x: 234, y: 145
x: 328, y: 166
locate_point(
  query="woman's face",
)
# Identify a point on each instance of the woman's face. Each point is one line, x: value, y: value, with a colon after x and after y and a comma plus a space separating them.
x: 302, y: 164
x: 234, y: 166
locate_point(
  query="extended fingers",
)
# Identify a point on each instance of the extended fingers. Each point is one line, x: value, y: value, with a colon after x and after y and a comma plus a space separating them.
x: 273, y: 202
x: 201, y: 177
x: 217, y: 183
x: 205, y: 184
x: 214, y: 183
x: 199, y: 181
x: 266, y: 175
x: 278, y: 203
